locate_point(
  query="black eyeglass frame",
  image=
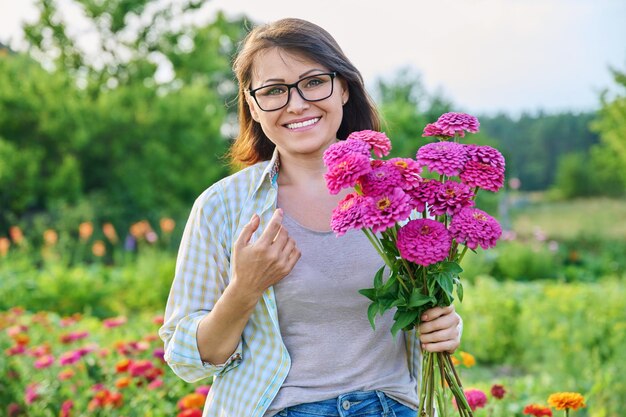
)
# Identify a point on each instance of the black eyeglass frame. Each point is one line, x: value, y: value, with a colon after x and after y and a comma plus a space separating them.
x: 332, y: 75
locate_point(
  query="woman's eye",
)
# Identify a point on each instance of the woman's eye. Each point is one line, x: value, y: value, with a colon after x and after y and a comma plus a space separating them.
x: 314, y: 82
x: 273, y: 91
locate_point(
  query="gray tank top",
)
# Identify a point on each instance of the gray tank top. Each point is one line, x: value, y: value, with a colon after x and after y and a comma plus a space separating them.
x: 323, y: 323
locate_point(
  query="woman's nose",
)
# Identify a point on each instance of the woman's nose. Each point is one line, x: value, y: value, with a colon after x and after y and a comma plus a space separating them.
x: 296, y: 103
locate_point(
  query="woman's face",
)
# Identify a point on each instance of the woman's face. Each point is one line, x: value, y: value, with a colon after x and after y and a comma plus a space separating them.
x: 301, y: 128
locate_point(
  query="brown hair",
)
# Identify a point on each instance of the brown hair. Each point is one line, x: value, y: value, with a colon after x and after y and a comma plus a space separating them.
x: 307, y: 39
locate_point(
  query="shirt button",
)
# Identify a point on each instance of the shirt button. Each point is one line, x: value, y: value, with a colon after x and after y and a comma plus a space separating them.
x: 346, y: 405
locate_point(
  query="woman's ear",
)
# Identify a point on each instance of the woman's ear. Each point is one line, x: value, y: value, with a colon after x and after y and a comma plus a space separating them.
x: 253, y: 110
x: 345, y: 94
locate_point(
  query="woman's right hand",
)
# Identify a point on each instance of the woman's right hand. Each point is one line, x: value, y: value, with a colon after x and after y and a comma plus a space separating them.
x: 259, y: 265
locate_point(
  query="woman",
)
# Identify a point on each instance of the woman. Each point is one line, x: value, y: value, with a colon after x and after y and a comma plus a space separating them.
x: 265, y: 296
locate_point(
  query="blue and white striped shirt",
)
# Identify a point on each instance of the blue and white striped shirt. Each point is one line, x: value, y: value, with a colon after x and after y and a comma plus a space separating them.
x: 246, y: 384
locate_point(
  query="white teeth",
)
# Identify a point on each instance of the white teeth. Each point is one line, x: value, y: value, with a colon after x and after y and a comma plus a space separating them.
x: 303, y: 124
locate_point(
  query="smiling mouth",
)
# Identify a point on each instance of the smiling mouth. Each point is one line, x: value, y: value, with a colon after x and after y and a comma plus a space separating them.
x: 302, y: 124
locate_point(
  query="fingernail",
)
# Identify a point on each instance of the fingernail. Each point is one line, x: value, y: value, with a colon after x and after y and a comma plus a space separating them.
x: 280, y: 211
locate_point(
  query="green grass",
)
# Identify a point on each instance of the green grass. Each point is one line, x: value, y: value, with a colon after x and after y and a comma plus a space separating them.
x: 567, y: 220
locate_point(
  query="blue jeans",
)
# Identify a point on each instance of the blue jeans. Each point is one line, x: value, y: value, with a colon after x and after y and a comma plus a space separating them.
x: 353, y: 404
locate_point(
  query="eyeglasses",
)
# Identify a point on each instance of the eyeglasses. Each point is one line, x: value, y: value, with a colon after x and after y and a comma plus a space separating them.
x: 276, y: 96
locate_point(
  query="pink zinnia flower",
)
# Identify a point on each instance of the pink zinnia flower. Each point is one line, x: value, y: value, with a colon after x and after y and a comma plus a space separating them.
x: 69, y: 358
x: 114, y: 322
x: 451, y: 198
x: 477, y: 174
x: 432, y: 129
x: 44, y: 361
x: 15, y: 350
x: 475, y: 398
x: 485, y: 155
x: 346, y: 171
x: 337, y: 151
x: 159, y: 353
x: 446, y: 158
x: 14, y: 410
x: 424, y: 241
x: 66, y: 408
x: 383, y: 211
x: 425, y: 193
x: 31, y: 393
x: 379, y: 142
x: 380, y: 180
x: 66, y: 373
x: 457, y: 123
x: 348, y: 214
x: 140, y: 367
x: 157, y: 383
x: 474, y: 227
x: 158, y: 320
x: 203, y: 389
x: 410, y: 171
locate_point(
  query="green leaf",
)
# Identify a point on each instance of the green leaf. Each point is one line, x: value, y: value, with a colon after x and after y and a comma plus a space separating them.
x: 451, y: 268
x: 378, y: 278
x: 445, y: 282
x: 372, y: 310
x: 418, y: 299
x: 403, y: 319
x: 459, y: 290
x: 369, y: 293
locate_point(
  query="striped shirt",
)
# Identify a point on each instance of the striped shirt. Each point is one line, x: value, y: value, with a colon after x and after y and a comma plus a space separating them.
x: 246, y: 384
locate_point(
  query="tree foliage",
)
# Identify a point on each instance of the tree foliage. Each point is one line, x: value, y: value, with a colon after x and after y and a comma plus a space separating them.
x: 128, y: 115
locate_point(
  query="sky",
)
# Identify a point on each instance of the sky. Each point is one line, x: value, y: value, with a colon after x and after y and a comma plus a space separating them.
x: 485, y: 56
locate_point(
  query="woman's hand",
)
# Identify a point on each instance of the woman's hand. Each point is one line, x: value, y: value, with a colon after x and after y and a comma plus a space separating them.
x: 439, y: 329
x: 259, y: 265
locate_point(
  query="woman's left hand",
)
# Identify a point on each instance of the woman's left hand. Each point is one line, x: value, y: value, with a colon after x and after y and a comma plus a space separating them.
x: 439, y: 329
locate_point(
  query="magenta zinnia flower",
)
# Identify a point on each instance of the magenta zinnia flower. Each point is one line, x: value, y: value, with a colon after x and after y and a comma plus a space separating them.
x: 424, y: 193
x: 485, y: 155
x: 477, y: 174
x: 381, y: 179
x: 451, y: 198
x: 44, y: 361
x: 432, y: 129
x: 31, y: 393
x: 337, y: 151
x: 446, y: 158
x: 346, y: 171
x: 474, y: 227
x: 383, y: 211
x: 66, y: 408
x: 114, y: 322
x: 347, y: 215
x: 475, y: 398
x: 379, y: 142
x: 68, y: 358
x: 424, y: 241
x: 410, y: 171
x: 457, y: 123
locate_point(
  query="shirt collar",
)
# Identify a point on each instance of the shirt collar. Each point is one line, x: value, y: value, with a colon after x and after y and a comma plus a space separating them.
x: 270, y: 172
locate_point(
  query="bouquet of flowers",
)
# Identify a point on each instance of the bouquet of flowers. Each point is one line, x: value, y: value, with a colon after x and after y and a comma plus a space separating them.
x: 422, y: 228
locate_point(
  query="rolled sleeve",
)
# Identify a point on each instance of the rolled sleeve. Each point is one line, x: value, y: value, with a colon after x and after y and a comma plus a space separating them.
x: 183, y: 357
x: 202, y: 274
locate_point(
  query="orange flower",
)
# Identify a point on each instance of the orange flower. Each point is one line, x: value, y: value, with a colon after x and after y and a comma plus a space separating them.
x: 5, y: 244
x: 85, y: 230
x: 21, y: 339
x: 455, y: 361
x: 566, y: 400
x: 98, y: 248
x: 140, y: 229
x: 109, y: 232
x: 537, y: 410
x: 194, y: 400
x: 16, y: 234
x: 167, y: 225
x: 66, y: 373
x: 123, y: 382
x: 468, y: 359
x: 122, y: 366
x: 50, y: 237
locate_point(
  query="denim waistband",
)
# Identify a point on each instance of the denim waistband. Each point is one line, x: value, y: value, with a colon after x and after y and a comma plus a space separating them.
x: 351, y: 404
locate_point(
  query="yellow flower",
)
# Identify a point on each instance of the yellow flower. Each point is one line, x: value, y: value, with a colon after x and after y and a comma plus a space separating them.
x: 468, y: 359
x: 455, y: 361
x: 566, y: 400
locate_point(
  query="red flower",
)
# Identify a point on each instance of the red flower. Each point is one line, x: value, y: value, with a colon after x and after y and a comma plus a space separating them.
x: 192, y: 412
x: 498, y: 391
x: 537, y: 410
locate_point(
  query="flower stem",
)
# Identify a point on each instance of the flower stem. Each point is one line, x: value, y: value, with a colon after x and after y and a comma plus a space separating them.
x: 377, y: 245
x: 462, y: 254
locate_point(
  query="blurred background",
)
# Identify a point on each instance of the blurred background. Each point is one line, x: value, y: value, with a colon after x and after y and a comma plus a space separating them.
x: 116, y: 114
